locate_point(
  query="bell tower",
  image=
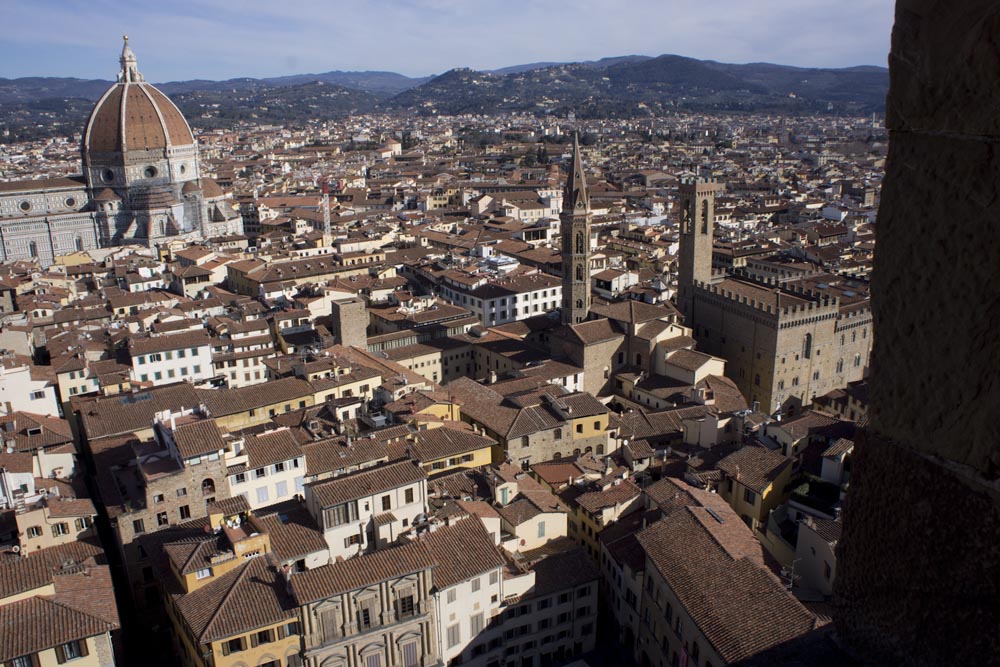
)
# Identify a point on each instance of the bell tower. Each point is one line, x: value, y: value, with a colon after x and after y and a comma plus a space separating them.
x: 697, y: 197
x: 574, y: 222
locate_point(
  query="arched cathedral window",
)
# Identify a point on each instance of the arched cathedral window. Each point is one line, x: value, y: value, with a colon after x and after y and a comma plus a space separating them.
x: 807, y: 346
x: 704, y: 217
x: 579, y: 244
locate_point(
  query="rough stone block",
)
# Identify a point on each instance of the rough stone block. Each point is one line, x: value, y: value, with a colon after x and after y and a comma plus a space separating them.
x: 918, y: 565
x: 936, y: 300
x: 944, y: 65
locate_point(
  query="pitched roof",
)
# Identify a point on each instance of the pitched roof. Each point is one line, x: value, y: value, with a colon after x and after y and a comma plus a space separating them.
x: 115, y: 415
x: 754, y: 467
x: 197, y: 438
x: 293, y: 532
x: 717, y: 572
x: 467, y: 537
x: 222, y: 402
x: 366, y: 482
x: 271, y: 447
x: 342, y: 576
x: 38, y: 623
x: 25, y: 574
x: 250, y: 596
x: 438, y: 443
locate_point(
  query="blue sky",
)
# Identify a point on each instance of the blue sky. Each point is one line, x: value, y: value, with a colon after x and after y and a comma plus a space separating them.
x: 216, y: 39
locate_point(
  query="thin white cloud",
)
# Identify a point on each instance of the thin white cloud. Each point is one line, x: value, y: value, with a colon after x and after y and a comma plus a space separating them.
x: 221, y: 39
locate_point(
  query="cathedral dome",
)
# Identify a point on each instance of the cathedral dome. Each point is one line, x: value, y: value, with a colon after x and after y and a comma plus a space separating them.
x: 134, y: 115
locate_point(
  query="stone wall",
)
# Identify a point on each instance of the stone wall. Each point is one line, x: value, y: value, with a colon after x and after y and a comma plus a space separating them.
x: 919, y: 562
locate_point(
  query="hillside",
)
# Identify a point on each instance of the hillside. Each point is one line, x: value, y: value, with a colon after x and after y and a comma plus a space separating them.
x: 623, y: 86
x: 636, y: 86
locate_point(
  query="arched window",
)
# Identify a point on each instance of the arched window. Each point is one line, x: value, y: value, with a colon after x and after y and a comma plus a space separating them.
x: 207, y: 486
x: 580, y: 247
x: 579, y: 273
x: 704, y: 217
x: 756, y: 380
x: 621, y: 357
x: 840, y: 365
x: 843, y: 339
x: 79, y: 243
x: 638, y: 359
x: 686, y: 218
x: 557, y: 455
x: 854, y: 336
x: 807, y: 346
x: 33, y: 249
x: 576, y: 452
x: 857, y: 360
x: 579, y: 303
x: 600, y: 449
x: 557, y: 434
x: 589, y: 450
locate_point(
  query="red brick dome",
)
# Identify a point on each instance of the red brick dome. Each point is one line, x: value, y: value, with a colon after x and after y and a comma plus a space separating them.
x: 134, y: 115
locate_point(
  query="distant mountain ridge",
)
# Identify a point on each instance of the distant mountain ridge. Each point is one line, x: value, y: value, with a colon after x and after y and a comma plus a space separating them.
x: 620, y: 86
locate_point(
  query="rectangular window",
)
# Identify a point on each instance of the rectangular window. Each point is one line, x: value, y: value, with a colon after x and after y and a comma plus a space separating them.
x: 138, y: 527
x: 452, y: 595
x: 204, y: 573
x: 406, y: 608
x: 366, y: 615
x: 749, y: 496
x: 181, y: 354
x: 240, y: 478
x: 541, y: 529
x: 181, y: 492
x: 262, y: 494
x: 38, y: 395
x: 234, y: 645
x: 196, y: 369
x: 161, y: 519
x: 281, y: 489
x: 408, y: 496
x: 454, y: 635
x: 259, y: 473
x: 185, y: 512
x: 475, y: 624
x: 341, y: 514
x: 386, y: 503
x: 410, y: 657
x: 476, y: 584
x: 262, y: 637
x: 60, y: 528
x: 72, y: 650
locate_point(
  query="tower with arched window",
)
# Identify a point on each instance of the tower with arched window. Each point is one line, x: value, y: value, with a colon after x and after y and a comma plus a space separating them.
x: 695, y: 256
x: 575, y: 231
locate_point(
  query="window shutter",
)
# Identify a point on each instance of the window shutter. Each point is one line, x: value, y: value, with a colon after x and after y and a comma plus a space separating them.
x: 225, y: 648
x: 281, y: 632
x: 60, y: 654
x: 253, y: 639
x: 243, y: 643
x: 83, y: 648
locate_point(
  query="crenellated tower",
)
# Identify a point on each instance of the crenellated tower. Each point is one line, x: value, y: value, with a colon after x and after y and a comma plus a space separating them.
x: 575, y: 230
